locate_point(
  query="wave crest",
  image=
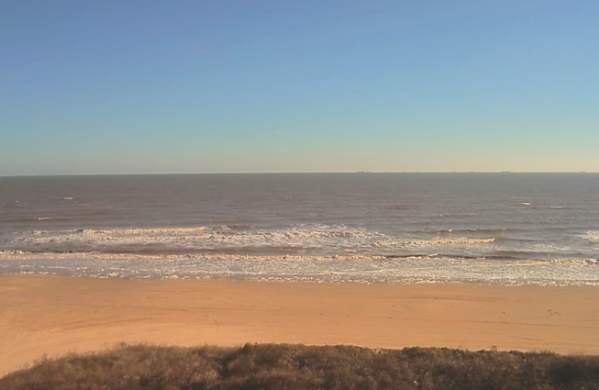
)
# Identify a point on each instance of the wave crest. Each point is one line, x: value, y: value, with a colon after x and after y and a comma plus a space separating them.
x: 591, y: 235
x: 302, y: 237
x: 441, y: 241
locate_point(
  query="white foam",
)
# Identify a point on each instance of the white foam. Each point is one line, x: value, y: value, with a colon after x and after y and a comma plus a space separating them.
x: 434, y: 242
x: 362, y: 269
x: 591, y: 235
x: 331, y: 238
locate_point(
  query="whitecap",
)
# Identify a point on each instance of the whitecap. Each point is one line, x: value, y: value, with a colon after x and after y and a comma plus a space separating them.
x: 434, y: 242
x: 591, y: 235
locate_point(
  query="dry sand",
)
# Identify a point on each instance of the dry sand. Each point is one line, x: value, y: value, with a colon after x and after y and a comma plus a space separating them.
x: 56, y: 315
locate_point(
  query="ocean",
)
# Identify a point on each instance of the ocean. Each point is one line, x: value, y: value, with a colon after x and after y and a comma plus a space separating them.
x: 508, y: 228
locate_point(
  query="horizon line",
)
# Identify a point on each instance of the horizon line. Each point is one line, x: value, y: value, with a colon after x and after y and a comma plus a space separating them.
x: 294, y: 173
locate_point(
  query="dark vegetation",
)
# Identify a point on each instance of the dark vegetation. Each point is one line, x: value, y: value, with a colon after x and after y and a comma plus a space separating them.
x: 302, y: 367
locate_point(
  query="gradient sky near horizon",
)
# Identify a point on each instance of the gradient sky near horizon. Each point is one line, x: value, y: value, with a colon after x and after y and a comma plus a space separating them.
x: 253, y: 86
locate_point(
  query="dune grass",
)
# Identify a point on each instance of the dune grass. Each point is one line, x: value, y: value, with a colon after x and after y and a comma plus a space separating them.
x: 304, y: 367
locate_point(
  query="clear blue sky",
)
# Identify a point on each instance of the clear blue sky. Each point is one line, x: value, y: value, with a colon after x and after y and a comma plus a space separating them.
x: 235, y: 86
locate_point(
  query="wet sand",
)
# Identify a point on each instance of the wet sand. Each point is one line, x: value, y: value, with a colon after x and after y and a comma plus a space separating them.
x: 57, y: 315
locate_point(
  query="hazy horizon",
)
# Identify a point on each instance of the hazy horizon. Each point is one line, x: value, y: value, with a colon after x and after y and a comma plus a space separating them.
x: 234, y: 87
x: 303, y: 173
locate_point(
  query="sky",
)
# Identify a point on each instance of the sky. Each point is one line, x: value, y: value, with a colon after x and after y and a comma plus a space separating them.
x: 101, y: 87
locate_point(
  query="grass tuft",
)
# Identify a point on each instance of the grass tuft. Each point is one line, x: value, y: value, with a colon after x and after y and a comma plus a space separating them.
x: 301, y: 367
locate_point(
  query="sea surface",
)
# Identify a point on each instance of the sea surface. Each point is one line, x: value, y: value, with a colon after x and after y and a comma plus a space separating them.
x: 353, y: 227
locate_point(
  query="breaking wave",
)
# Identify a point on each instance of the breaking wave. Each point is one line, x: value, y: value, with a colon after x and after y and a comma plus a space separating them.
x: 459, y: 241
x: 214, y: 238
x: 592, y: 235
x: 336, y: 268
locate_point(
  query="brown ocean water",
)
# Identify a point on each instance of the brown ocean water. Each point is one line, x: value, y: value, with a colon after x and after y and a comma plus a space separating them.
x: 365, y: 227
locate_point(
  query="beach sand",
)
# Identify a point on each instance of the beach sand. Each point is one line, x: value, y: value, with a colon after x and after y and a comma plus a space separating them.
x: 56, y: 315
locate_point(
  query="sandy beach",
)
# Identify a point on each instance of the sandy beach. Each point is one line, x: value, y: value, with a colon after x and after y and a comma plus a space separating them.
x: 52, y: 316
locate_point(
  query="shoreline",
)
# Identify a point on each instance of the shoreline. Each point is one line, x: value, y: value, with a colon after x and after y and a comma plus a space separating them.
x: 54, y: 315
x: 307, y: 281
